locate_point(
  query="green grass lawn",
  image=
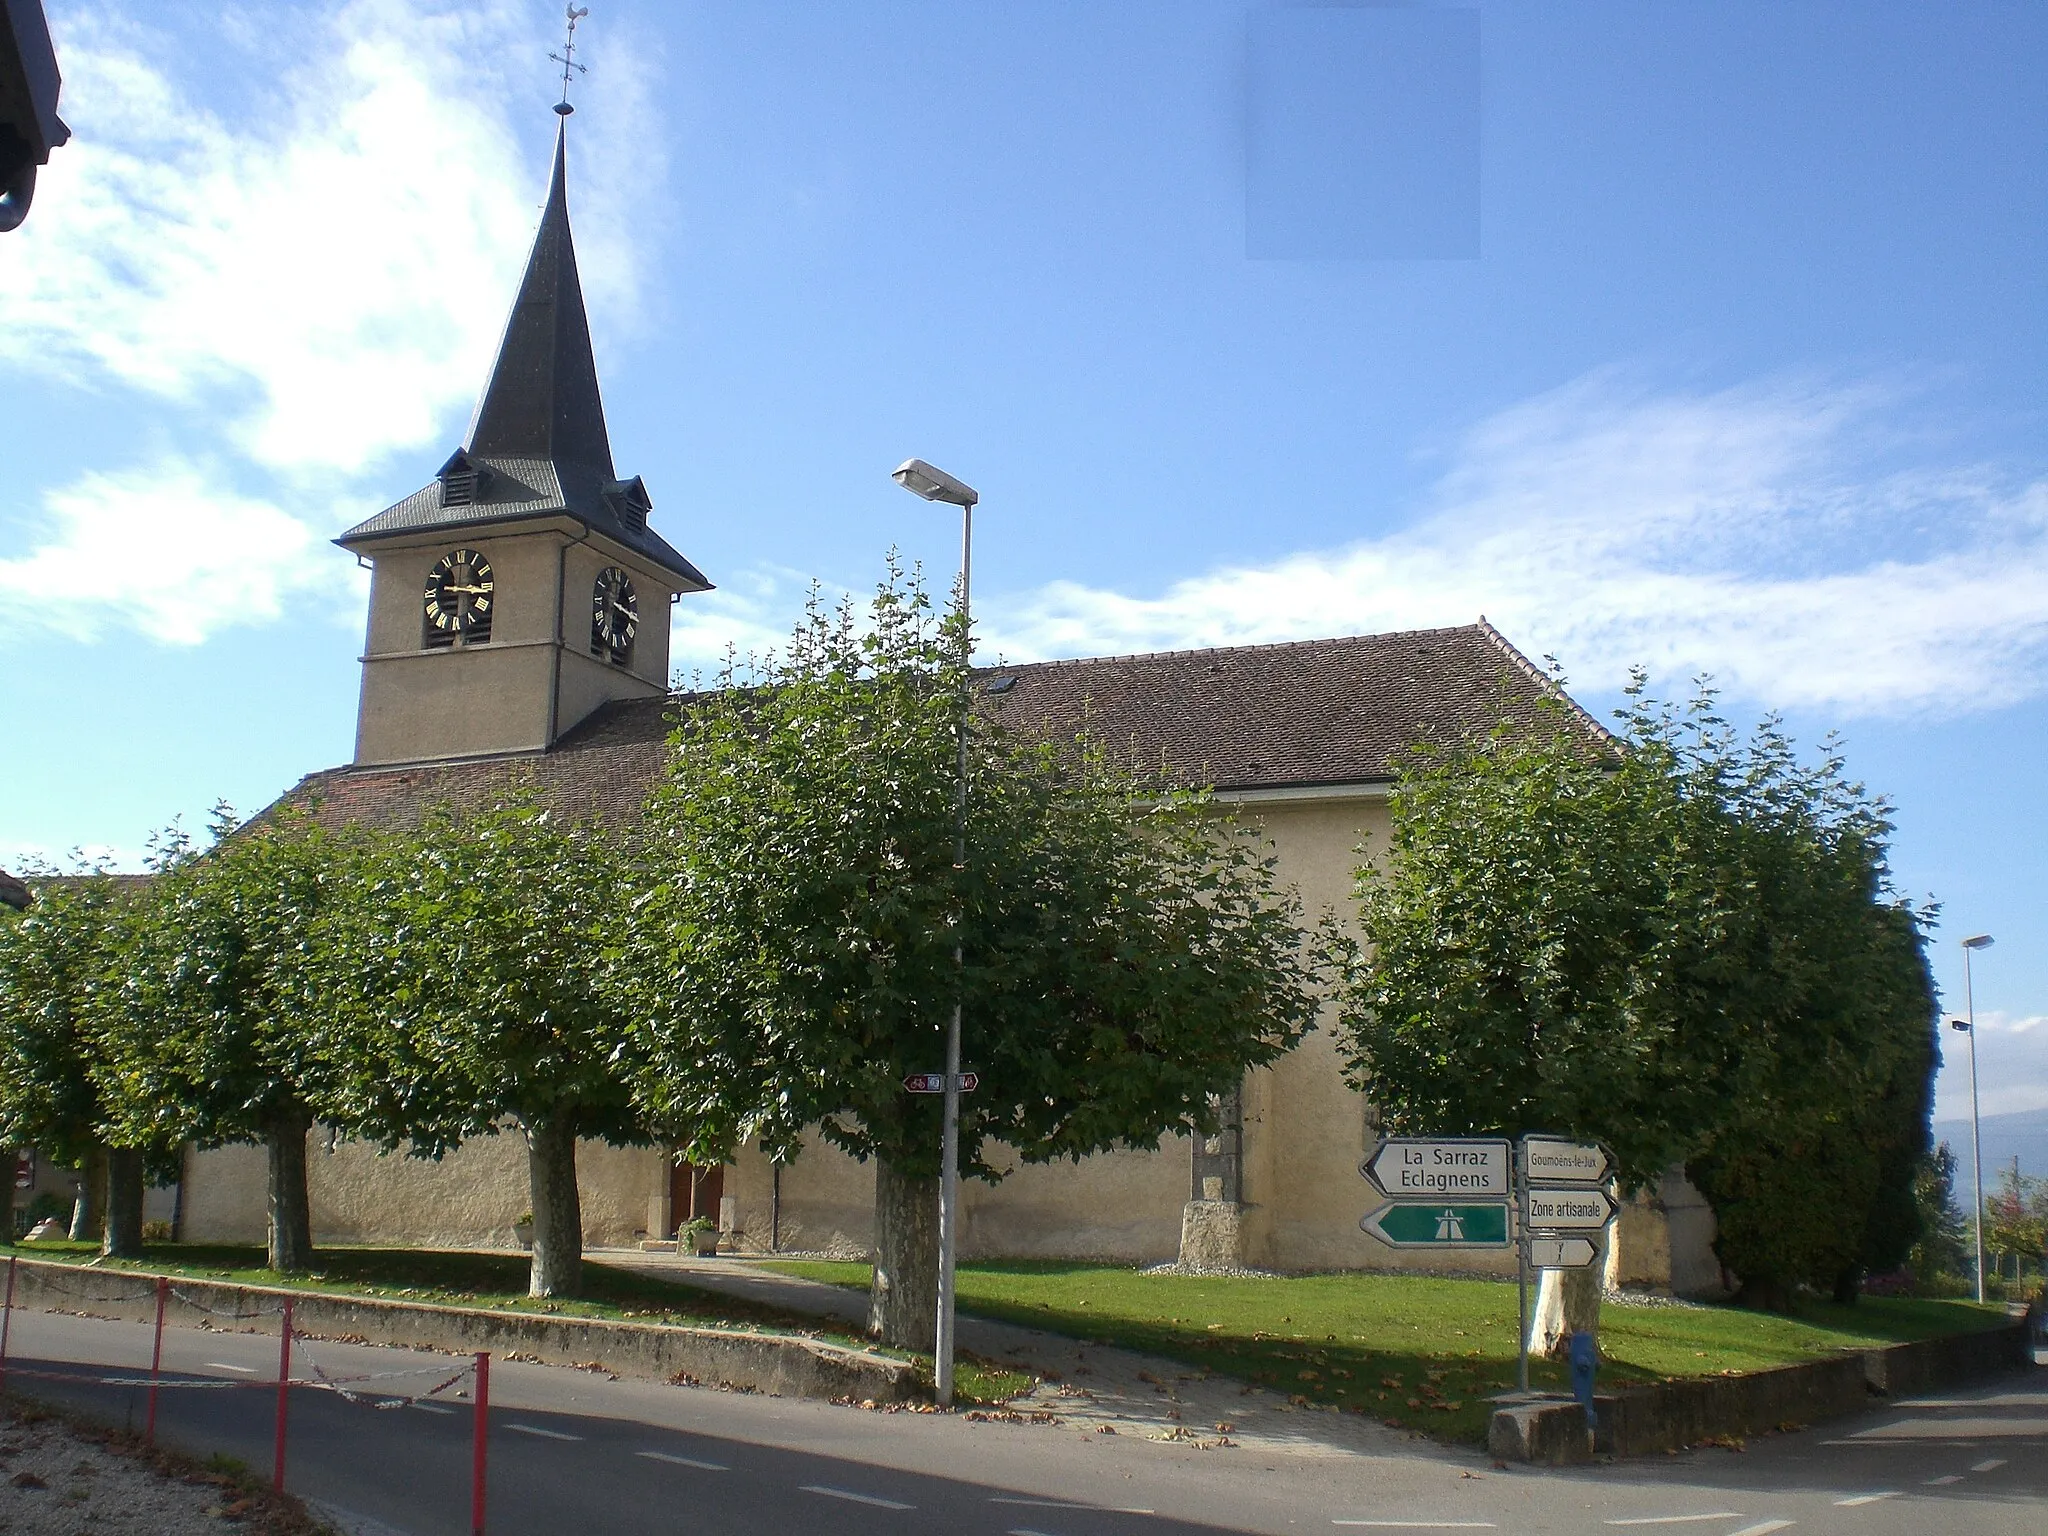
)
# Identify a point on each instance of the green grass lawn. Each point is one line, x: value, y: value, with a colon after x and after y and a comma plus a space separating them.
x: 1423, y: 1353
x: 498, y: 1281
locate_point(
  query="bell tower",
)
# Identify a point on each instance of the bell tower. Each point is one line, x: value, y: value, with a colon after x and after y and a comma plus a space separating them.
x: 522, y: 587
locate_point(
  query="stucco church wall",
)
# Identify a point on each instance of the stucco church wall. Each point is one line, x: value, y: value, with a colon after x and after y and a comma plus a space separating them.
x: 470, y: 1198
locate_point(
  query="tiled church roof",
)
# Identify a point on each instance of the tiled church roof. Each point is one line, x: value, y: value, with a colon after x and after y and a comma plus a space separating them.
x: 1314, y: 712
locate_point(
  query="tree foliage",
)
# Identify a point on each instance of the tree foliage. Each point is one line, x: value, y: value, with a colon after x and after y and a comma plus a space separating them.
x: 480, y: 990
x: 1125, y: 950
x: 1684, y: 946
x: 219, y: 1027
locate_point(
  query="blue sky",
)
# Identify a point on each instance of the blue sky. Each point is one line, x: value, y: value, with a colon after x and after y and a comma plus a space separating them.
x: 1725, y: 355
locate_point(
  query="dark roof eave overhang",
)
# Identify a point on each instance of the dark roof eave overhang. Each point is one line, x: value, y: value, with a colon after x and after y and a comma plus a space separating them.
x: 690, y: 579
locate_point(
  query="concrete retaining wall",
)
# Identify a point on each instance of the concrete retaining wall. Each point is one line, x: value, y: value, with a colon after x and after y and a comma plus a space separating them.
x: 1649, y: 1419
x: 778, y: 1364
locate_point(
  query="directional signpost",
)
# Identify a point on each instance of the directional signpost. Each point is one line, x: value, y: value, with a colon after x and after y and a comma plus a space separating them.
x: 1561, y: 1252
x: 1547, y: 1195
x: 935, y: 1082
x: 1408, y: 1168
x: 1567, y: 1210
x: 1416, y: 1224
x: 1443, y: 1192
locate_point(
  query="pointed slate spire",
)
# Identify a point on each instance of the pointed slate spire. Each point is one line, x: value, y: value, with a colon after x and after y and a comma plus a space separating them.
x: 542, y: 400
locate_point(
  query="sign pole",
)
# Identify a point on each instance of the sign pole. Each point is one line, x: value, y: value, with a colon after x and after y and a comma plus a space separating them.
x: 479, y: 1465
x: 284, y: 1386
x: 1521, y: 1279
x: 156, y: 1359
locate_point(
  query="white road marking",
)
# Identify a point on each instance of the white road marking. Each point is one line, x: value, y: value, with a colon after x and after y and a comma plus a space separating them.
x: 1100, y: 1509
x: 1943, y: 1482
x: 1719, y: 1514
x: 222, y: 1365
x: 545, y: 1434
x: 1422, y: 1525
x: 1764, y: 1528
x: 1866, y: 1498
x: 430, y: 1408
x: 1989, y: 1466
x: 684, y: 1461
x: 857, y: 1498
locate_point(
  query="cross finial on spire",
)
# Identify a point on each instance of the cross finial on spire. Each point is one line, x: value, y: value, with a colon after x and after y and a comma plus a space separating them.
x: 567, y: 59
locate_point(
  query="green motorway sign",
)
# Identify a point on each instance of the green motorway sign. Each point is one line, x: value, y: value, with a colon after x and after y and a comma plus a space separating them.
x: 1432, y: 1224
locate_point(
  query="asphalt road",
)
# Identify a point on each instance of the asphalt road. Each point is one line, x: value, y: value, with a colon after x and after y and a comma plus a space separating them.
x: 573, y: 1451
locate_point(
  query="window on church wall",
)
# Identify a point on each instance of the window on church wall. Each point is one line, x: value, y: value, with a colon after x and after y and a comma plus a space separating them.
x: 459, y: 600
x: 614, y: 617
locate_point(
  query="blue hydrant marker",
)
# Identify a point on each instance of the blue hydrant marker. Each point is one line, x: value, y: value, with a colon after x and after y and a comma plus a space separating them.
x: 1585, y: 1358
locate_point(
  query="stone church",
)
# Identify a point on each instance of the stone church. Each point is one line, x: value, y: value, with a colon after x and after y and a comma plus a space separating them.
x: 519, y: 627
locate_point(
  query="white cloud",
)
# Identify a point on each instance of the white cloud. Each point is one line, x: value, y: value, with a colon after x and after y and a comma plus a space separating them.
x: 1744, y: 533
x: 331, y: 275
x: 2012, y: 1067
x: 165, y: 552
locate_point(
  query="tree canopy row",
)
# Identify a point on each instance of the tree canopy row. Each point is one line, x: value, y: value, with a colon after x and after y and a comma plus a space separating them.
x: 1685, y: 948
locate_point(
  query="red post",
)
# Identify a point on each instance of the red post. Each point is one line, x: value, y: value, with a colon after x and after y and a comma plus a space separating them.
x: 284, y: 1384
x: 477, y: 1461
x: 156, y: 1359
x: 6, y: 1319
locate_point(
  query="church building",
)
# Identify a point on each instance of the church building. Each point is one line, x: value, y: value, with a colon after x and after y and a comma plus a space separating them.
x: 518, y: 629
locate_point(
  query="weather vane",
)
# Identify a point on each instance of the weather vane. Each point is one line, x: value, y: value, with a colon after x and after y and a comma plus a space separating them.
x: 567, y: 59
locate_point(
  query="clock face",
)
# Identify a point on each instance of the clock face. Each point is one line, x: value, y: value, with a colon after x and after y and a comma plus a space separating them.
x: 614, y: 614
x: 458, y: 597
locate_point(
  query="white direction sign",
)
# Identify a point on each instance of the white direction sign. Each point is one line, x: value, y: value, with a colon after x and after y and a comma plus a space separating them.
x: 1560, y: 1252
x: 1412, y: 1168
x: 1553, y: 1160
x: 1567, y: 1209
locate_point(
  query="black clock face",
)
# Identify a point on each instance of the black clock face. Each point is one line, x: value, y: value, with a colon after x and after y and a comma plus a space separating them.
x: 459, y: 595
x: 614, y: 614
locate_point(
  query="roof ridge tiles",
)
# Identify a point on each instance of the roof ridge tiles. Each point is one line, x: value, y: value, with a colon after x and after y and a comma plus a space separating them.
x: 1261, y: 645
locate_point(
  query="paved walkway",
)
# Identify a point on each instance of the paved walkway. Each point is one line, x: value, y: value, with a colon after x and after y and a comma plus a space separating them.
x: 1088, y: 1385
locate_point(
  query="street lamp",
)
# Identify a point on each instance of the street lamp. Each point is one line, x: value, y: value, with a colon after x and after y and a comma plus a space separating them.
x: 1968, y: 1024
x: 921, y: 479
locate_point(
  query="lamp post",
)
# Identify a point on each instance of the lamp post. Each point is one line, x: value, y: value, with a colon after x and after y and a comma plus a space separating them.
x: 921, y: 479
x: 1976, y: 941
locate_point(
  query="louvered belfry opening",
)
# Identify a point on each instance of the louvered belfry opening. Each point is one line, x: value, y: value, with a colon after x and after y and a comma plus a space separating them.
x: 459, y: 488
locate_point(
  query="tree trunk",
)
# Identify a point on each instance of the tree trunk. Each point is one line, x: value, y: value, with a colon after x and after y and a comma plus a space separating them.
x: 903, y: 1305
x: 89, y: 1211
x: 122, y: 1238
x: 557, y: 1208
x: 10, y: 1159
x: 1568, y: 1302
x: 291, y: 1210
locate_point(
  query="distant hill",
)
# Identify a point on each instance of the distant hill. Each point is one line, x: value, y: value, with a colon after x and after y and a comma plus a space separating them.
x: 2023, y: 1135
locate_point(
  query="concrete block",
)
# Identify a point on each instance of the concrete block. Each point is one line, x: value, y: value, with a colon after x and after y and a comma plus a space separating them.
x: 1550, y: 1432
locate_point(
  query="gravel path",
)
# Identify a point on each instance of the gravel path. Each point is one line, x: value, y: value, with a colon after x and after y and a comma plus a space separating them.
x: 57, y: 1481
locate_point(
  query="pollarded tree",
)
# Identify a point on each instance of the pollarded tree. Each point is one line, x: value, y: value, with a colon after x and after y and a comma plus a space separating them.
x: 481, y: 947
x: 1125, y: 950
x: 57, y: 962
x: 219, y: 1029
x: 1683, y: 948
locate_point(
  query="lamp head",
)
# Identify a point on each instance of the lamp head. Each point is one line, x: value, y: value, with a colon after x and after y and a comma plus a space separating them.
x: 1979, y: 941
x: 1962, y: 1024
x: 933, y: 484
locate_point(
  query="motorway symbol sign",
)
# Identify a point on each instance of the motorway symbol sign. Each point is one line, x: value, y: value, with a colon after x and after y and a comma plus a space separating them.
x: 1433, y: 1224
x: 1560, y: 1252
x: 1442, y: 1168
x: 1570, y: 1209
x: 935, y: 1082
x: 1553, y: 1160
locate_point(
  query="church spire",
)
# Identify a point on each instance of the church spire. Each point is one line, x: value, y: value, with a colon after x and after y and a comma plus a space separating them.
x: 542, y: 399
